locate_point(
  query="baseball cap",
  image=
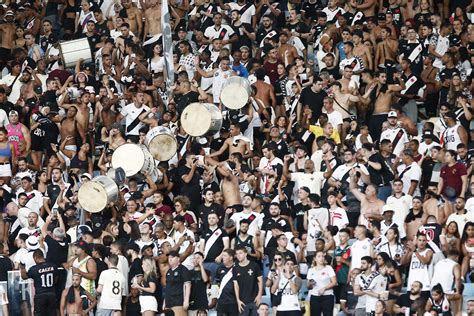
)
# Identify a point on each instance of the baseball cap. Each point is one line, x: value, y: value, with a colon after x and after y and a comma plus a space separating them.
x: 9, y: 12
x: 388, y: 208
x: 133, y: 246
x: 392, y: 114
x: 86, y: 175
x: 427, y: 134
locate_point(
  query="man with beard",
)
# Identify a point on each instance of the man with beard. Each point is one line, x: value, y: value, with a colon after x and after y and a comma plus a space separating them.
x: 74, y: 299
x: 396, y: 134
x: 209, y: 206
x: 411, y: 301
x: 461, y: 216
x: 248, y: 241
x: 371, y: 285
x: 54, y: 189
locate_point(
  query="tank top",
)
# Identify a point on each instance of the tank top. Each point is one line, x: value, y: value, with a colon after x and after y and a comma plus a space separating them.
x: 419, y: 271
x: 220, y: 77
x: 445, y: 279
x: 88, y: 285
x: 289, y: 300
x: 6, y: 151
x: 248, y: 243
x: 451, y: 137
x: 15, y: 136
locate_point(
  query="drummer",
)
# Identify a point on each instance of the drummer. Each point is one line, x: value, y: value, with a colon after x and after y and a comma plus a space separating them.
x: 150, y: 118
x: 236, y: 143
x: 115, y: 137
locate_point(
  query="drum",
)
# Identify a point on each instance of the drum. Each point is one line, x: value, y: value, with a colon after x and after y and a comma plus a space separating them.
x: 199, y: 119
x: 161, y: 143
x: 72, y: 51
x: 118, y: 175
x: 235, y: 92
x: 133, y: 159
x: 97, y: 194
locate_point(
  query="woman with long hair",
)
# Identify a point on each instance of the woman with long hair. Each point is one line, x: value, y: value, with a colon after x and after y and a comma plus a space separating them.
x: 81, y: 161
x: 156, y: 63
x: 7, y: 156
x: 450, y: 238
x: 276, y: 269
x: 148, y: 303
x: 438, y: 302
x: 393, y: 247
x: 42, y: 181
x: 321, y: 281
x: 19, y: 41
x: 181, y: 204
x: 467, y: 248
x: 415, y: 218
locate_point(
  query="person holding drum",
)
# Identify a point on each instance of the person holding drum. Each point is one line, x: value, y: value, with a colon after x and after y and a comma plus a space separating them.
x: 131, y: 113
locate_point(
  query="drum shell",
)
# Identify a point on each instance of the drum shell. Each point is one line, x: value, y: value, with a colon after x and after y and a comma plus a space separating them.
x: 161, y: 143
x: 97, y: 194
x: 235, y: 92
x: 126, y: 156
x: 196, y: 125
x: 157, y: 175
x: 72, y: 51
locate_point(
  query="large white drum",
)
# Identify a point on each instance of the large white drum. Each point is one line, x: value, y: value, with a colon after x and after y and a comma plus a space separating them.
x: 97, y: 194
x: 200, y: 119
x: 161, y: 143
x: 236, y: 92
x: 133, y: 159
x: 72, y: 51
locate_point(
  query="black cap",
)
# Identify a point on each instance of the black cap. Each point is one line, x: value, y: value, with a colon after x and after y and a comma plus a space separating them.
x: 69, y: 206
x: 181, y: 28
x: 148, y: 246
x: 53, y: 39
x: 133, y: 246
x: 381, y: 16
x: 306, y: 189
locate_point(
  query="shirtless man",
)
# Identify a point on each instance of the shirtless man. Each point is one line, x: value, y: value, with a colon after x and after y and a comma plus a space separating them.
x: 230, y: 182
x: 7, y: 35
x: 342, y: 103
x: 265, y: 91
x: 134, y: 17
x: 84, y: 112
x: 362, y: 50
x: 142, y: 87
x: 370, y: 205
x: 115, y: 137
x: 75, y: 307
x: 235, y: 143
x: 286, y: 52
x: 382, y: 93
x: 70, y: 127
x: 367, y: 7
x: 346, y: 79
x: 387, y: 48
x: 29, y: 80
x: 431, y: 206
x: 152, y: 19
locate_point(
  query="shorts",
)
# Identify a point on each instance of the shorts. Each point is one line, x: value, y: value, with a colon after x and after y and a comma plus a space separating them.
x: 148, y: 303
x: 66, y: 158
x: 104, y: 312
x: 6, y: 170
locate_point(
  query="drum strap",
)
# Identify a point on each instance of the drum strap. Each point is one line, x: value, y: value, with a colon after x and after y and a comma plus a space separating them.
x: 135, y: 122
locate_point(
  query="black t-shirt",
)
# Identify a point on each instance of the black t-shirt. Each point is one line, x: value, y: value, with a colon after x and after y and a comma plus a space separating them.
x: 192, y: 189
x: 314, y: 100
x: 217, y: 243
x: 44, y: 277
x: 5, y: 266
x: 198, y: 298
x: 382, y: 176
x: 334, y: 72
x: 243, y: 40
x: 101, y: 266
x: 57, y: 251
x: 135, y: 269
x: 183, y: 100
x: 433, y: 230
x: 298, y: 212
x: 52, y: 192
x: 227, y: 295
x: 404, y: 300
x: 204, y: 213
x: 281, y: 148
x: 175, y: 280
x: 247, y: 279
x: 146, y: 283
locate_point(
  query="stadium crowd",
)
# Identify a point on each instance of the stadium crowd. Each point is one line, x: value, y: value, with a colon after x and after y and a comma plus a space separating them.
x: 343, y: 185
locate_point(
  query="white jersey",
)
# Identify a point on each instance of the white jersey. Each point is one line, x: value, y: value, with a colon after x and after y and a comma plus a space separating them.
x: 444, y: 275
x: 256, y: 220
x: 359, y: 249
x: 451, y: 137
x: 318, y: 219
x: 220, y: 77
x: 131, y: 114
x: 113, y: 287
x: 378, y: 285
x: 398, y: 135
x: 419, y: 271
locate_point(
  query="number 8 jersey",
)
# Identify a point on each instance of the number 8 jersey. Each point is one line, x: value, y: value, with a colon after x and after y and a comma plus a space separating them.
x: 113, y: 283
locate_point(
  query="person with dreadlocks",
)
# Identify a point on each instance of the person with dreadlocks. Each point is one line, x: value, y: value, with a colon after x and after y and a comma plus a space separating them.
x: 75, y: 299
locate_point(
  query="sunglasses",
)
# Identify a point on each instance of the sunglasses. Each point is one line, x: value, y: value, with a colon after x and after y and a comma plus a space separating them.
x: 277, y: 259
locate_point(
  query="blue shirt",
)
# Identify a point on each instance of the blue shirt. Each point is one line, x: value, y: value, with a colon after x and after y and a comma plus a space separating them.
x: 240, y: 70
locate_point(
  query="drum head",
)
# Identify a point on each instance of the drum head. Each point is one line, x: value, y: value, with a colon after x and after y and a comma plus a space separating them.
x: 162, y: 147
x: 196, y: 119
x: 130, y: 158
x: 92, y: 197
x: 234, y: 96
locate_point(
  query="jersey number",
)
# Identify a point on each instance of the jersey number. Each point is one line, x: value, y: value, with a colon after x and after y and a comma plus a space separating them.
x: 116, y: 287
x: 47, y: 280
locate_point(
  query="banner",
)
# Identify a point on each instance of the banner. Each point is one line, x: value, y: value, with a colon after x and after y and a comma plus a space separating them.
x: 167, y: 43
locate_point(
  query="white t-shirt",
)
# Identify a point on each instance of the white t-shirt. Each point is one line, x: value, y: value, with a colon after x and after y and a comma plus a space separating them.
x: 311, y: 180
x: 359, y: 249
x: 391, y: 135
x: 131, y: 112
x: 246, y: 16
x: 322, y: 278
x: 113, y: 287
x: 255, y: 218
x: 408, y: 174
x: 268, y: 165
x: 335, y: 118
x: 378, y: 285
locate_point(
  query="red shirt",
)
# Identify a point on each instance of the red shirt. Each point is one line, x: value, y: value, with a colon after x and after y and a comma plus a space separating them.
x: 452, y: 176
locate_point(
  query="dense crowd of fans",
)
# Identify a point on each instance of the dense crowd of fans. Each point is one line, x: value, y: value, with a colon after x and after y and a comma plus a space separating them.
x: 343, y: 186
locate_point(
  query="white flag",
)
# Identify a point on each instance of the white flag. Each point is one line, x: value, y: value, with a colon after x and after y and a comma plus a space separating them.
x: 167, y: 42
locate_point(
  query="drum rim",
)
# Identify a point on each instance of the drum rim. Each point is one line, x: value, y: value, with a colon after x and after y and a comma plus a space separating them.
x: 229, y: 99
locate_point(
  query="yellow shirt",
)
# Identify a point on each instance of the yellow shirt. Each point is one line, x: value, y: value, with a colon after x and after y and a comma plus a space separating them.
x: 318, y: 131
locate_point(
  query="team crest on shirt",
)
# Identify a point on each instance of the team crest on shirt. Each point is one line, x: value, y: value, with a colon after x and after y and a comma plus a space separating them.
x: 176, y: 273
x: 250, y: 272
x: 364, y: 247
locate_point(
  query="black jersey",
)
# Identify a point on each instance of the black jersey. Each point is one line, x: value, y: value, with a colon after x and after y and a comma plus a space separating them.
x: 44, y: 277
